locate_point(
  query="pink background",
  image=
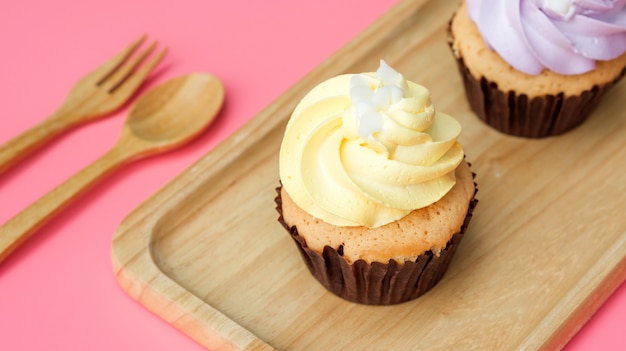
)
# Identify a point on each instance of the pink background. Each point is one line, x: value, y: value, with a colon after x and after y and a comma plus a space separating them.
x: 57, y: 292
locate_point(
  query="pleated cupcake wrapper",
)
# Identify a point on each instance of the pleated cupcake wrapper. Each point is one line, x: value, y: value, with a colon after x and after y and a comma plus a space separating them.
x: 515, y: 114
x: 376, y: 283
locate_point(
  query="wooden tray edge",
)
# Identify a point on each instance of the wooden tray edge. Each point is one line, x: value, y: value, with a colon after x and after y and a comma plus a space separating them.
x: 603, y: 284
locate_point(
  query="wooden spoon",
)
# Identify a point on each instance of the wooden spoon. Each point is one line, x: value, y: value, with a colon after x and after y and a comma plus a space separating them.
x: 166, y: 117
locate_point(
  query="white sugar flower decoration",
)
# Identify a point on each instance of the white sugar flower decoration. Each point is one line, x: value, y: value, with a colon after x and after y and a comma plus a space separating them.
x: 559, y: 8
x: 372, y: 101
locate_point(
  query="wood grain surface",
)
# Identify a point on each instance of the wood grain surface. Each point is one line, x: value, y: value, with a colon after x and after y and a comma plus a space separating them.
x: 546, y: 246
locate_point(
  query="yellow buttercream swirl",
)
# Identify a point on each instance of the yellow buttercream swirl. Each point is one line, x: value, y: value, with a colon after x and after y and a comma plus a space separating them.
x: 367, y: 149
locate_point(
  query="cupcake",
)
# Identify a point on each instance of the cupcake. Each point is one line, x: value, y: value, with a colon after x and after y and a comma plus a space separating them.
x: 374, y: 187
x: 537, y: 68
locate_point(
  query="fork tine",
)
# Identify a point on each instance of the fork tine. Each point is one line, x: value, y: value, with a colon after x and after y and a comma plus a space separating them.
x: 126, y: 69
x: 132, y: 81
x: 103, y: 72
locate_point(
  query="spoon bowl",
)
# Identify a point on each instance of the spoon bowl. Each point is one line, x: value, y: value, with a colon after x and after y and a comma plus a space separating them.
x: 166, y: 117
x: 176, y: 111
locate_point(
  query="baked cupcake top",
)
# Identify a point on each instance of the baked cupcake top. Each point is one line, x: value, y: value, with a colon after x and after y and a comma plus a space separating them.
x: 564, y: 36
x: 367, y: 149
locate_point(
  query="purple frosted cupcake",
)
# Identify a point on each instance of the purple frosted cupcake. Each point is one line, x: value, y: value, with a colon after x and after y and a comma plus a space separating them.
x: 537, y: 68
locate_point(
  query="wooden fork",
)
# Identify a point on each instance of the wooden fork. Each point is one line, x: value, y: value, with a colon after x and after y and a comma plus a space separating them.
x: 97, y: 94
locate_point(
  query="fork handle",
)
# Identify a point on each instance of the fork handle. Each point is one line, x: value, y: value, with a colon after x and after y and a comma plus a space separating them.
x: 32, y: 139
x: 21, y: 227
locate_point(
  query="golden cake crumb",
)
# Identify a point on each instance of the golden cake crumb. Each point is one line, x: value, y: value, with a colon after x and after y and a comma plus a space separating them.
x: 424, y: 229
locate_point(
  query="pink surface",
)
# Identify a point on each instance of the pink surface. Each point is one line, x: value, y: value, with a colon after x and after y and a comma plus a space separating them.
x: 58, y: 292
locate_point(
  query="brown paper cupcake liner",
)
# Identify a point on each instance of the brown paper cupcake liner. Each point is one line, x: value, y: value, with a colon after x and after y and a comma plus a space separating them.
x: 376, y: 283
x: 515, y: 114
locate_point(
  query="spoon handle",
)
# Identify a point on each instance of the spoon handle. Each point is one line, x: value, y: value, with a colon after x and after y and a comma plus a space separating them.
x: 21, y: 227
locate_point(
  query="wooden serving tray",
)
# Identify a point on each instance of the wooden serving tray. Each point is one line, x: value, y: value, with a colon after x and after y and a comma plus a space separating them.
x: 545, y: 249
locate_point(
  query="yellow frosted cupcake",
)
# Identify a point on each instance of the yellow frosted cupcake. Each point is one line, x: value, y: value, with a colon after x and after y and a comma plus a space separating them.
x: 375, y: 189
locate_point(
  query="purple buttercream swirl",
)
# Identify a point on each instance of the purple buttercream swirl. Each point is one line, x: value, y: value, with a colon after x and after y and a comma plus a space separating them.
x: 564, y: 36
